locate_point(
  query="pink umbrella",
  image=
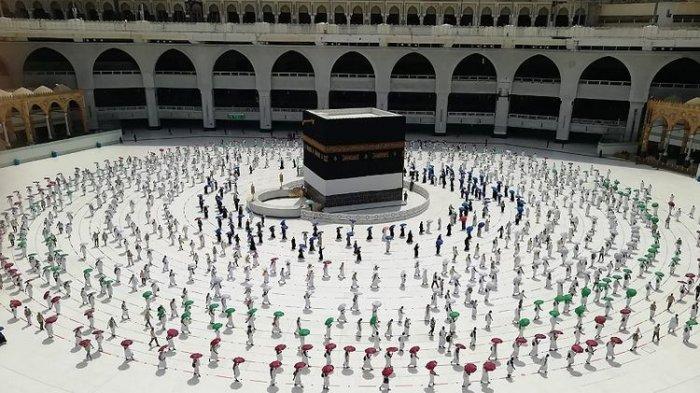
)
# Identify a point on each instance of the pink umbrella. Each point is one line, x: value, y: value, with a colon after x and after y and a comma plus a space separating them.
x: 84, y: 343
x: 56, y: 299
x: 392, y: 349
x: 173, y: 332
x: 51, y: 319
x: 162, y: 348
x: 460, y: 346
x: 625, y: 311
x: 521, y: 340
x: 370, y: 351
x: 14, y: 303
x: 215, y: 342
x: 616, y: 340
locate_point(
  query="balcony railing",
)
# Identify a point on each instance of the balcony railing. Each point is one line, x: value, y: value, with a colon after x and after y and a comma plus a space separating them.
x: 49, y: 73
x: 229, y: 109
x: 293, y: 74
x: 116, y: 72
x: 604, y: 82
x: 234, y: 73
x: 163, y: 72
x: 480, y: 78
x: 120, y: 108
x: 414, y: 113
x: 532, y: 117
x: 600, y: 122
x: 471, y: 114
x: 412, y: 76
x: 529, y: 79
x: 349, y: 75
x: 181, y: 108
x: 676, y: 85
x: 295, y: 110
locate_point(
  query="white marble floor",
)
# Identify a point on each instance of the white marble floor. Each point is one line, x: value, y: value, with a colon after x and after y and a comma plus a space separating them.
x: 31, y: 363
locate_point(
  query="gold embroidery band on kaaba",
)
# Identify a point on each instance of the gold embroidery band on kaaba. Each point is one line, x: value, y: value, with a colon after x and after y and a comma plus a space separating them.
x: 352, y: 148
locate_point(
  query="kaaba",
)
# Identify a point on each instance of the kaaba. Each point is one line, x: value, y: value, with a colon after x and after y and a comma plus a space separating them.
x: 353, y: 158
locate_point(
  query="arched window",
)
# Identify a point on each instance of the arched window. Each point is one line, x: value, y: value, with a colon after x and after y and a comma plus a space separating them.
x: 412, y: 17
x: 285, y: 15
x: 213, y: 16
x: 232, y: 14
x: 524, y: 19
x: 339, y: 17
x: 267, y: 14
x: 486, y: 17
x: 357, y: 17
x: 542, y: 16
x: 248, y: 14
x: 562, y: 18
x: 579, y: 17
x: 304, y: 17
x: 430, y: 19
x: 503, y: 17
x: 467, y: 18
x: 321, y: 15
x: 449, y: 17
x: 394, y: 17
x: 375, y: 16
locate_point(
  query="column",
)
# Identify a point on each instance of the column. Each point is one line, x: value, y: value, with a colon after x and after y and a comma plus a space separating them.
x: 501, y: 120
x: 634, y: 118
x: 152, y: 108
x: 441, y: 113
x: 208, y: 121
x: 564, y: 121
x: 91, y: 114
x: 66, y: 119
x: 322, y: 98
x: 49, y: 126
x: 265, y: 110
x: 6, y: 134
x: 383, y: 100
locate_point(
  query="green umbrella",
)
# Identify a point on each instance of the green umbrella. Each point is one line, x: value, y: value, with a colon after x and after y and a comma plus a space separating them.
x: 659, y: 274
x: 606, y: 279
x: 691, y: 322
x: 87, y: 271
x: 585, y: 291
x: 304, y: 332
x: 602, y: 285
x: 278, y: 313
x: 631, y: 292
x: 252, y: 311
x: 186, y: 315
x: 559, y: 298
x: 216, y: 326
x: 580, y: 310
x: 676, y: 259
x: 554, y: 313
x: 147, y: 294
x: 189, y: 303
x: 373, y: 320
x: 213, y: 306
x: 627, y: 270
x: 329, y: 321
x: 538, y: 302
x: 230, y: 310
x: 655, y: 204
x: 454, y: 314
x: 617, y: 277
x: 568, y: 298
x: 523, y: 322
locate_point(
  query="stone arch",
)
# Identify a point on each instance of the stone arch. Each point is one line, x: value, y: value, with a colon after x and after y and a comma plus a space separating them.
x: 394, y: 16
x: 352, y: 63
x: 375, y: 15
x: 562, y: 18
x: 448, y: 16
x: 213, y: 14
x: 16, y: 128
x: 358, y: 16
x: 91, y: 12
x: 285, y: 15
x: 304, y: 16
x: 430, y: 17
x: 267, y: 14
x: 115, y: 60
x: 606, y: 68
x: 412, y: 16
x: 174, y: 61
x: 486, y: 17
x: 475, y: 66
x: 46, y: 59
x: 467, y: 18
x: 412, y: 64
x: 232, y: 14
x: 579, y: 17
x: 21, y: 10
x: 538, y: 66
x: 249, y: 14
x: 681, y: 71
x: 233, y: 61
x: 321, y: 15
x: 503, y: 17
x: 542, y: 17
x: 294, y: 62
x: 339, y: 17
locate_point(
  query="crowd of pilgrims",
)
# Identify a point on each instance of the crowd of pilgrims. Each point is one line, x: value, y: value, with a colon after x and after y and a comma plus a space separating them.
x: 559, y: 233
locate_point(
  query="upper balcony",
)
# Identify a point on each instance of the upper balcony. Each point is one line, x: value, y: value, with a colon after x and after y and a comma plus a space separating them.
x: 263, y: 33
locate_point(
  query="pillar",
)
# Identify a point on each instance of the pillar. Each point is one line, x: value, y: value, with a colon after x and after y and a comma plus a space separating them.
x: 322, y: 98
x: 564, y: 121
x: 89, y: 95
x: 383, y: 100
x: 66, y: 119
x: 265, y: 110
x: 6, y: 134
x: 501, y: 120
x: 634, y: 118
x: 441, y: 113
x: 208, y: 121
x: 152, y: 108
x: 49, y: 126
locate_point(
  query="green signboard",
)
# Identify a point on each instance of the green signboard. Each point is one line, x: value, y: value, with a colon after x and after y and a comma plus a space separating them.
x: 236, y: 116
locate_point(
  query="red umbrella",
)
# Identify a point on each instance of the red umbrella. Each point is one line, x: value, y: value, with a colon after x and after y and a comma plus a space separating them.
x: 96, y: 332
x: 330, y: 346
x: 349, y: 348
x: 14, y: 303
x: 625, y: 311
x: 387, y: 371
x: 327, y: 369
x: 46, y: 295
x: 275, y: 364
x: 51, y: 319
x: 414, y: 349
x: 280, y: 347
x: 470, y: 368
x: 126, y: 343
x: 391, y: 349
x: 88, y: 312
x: 215, y: 342
x: 85, y: 343
x: 431, y: 365
x: 600, y: 320
x: 592, y: 343
x: 8, y: 265
x: 460, y: 346
x: 238, y: 360
x: 496, y: 340
x: 162, y: 348
x: 195, y: 355
x: 540, y: 336
x: 489, y: 366
x: 521, y: 340
x: 577, y: 348
x: 173, y: 332
x: 306, y: 347
x: 299, y: 365
x: 370, y: 351
x: 55, y: 299
x: 327, y: 262
x: 616, y: 340
x: 690, y: 275
x: 79, y: 328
